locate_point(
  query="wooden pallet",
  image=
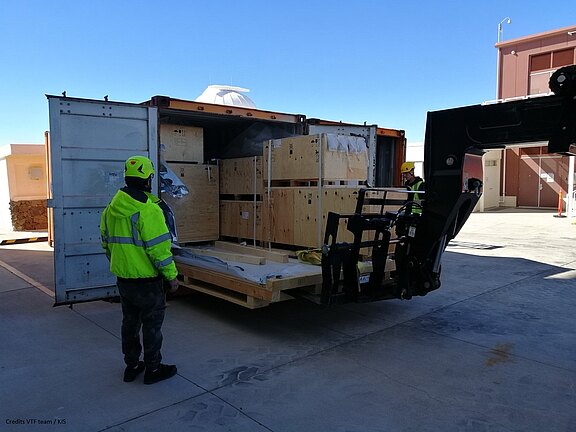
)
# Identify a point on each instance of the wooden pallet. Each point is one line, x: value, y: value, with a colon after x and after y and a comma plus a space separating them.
x: 246, y: 293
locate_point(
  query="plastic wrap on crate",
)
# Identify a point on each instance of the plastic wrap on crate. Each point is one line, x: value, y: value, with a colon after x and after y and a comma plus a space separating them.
x: 254, y: 273
x: 170, y: 183
x: 346, y: 143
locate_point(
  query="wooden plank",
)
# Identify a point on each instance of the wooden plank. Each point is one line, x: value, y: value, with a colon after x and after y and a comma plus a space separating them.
x: 250, y: 250
x: 196, y: 214
x: 230, y: 256
x: 225, y: 294
x: 232, y: 283
x: 280, y: 284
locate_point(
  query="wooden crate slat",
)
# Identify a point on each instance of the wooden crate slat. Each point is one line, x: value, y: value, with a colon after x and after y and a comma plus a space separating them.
x: 269, y: 255
x: 225, y: 281
x: 300, y: 281
x: 225, y: 294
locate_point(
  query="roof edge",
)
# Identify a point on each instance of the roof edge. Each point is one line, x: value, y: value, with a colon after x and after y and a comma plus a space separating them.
x: 542, y: 35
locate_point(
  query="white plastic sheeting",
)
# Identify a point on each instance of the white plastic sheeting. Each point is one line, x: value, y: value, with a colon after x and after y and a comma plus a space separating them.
x: 226, y: 95
x: 346, y: 143
x: 251, y: 272
x: 170, y: 183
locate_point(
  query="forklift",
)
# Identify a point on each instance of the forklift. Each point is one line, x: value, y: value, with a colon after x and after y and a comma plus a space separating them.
x: 414, y: 242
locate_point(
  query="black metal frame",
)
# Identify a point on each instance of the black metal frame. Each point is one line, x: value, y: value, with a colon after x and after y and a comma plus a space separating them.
x: 452, y: 137
x: 342, y: 281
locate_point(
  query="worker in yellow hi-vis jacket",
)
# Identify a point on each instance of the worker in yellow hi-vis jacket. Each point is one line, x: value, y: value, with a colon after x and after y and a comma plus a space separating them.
x: 413, y: 183
x: 138, y: 244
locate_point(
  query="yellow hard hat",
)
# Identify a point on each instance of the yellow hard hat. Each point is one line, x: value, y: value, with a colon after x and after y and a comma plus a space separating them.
x: 138, y: 166
x: 407, y: 167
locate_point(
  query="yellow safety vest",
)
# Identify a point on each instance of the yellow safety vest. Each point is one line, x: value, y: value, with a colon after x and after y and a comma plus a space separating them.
x: 415, y: 197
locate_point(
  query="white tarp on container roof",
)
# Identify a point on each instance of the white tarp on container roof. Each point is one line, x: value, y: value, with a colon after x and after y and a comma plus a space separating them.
x: 226, y: 95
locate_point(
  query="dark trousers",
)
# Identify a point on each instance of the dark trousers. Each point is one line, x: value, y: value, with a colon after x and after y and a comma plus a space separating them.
x: 143, y: 306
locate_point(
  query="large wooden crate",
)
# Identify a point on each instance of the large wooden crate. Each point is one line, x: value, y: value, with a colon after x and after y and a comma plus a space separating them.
x: 297, y: 215
x: 180, y: 143
x: 241, y: 176
x: 291, y: 216
x: 322, y: 156
x: 196, y: 214
x: 241, y: 219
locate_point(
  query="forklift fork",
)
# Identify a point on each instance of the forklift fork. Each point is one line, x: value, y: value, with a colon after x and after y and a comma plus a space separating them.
x: 345, y: 278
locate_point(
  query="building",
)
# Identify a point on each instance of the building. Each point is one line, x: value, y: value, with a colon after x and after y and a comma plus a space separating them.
x: 23, y: 187
x: 530, y: 177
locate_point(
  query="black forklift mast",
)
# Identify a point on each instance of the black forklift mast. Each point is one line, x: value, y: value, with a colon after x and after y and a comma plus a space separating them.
x: 454, y: 143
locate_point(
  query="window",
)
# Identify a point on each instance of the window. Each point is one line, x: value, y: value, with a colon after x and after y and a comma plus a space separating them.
x: 542, y: 66
x: 539, y: 83
x: 540, y: 62
x: 563, y: 58
x: 554, y: 60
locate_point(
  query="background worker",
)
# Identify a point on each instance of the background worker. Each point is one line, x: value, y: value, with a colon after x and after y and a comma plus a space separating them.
x: 138, y: 244
x: 413, y: 183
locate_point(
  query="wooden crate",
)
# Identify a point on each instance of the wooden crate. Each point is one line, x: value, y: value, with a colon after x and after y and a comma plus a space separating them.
x: 297, y: 216
x: 181, y: 143
x: 241, y: 176
x: 315, y: 157
x: 196, y: 214
x: 241, y: 219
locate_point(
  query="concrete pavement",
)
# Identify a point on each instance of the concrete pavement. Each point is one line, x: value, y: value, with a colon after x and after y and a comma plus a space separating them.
x: 494, y: 349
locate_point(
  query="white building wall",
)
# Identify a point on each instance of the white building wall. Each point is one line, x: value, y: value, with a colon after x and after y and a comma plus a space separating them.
x: 27, y: 177
x: 23, y: 176
x: 5, y: 217
x: 415, y: 153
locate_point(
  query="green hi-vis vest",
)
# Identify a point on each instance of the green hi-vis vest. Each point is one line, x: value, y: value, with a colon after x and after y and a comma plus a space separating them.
x: 136, y: 239
x: 415, y: 197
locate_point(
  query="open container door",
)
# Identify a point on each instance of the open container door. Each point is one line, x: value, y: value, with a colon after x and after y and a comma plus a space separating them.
x: 89, y: 142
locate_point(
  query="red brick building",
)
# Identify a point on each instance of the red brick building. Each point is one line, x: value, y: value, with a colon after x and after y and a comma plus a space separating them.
x: 530, y: 177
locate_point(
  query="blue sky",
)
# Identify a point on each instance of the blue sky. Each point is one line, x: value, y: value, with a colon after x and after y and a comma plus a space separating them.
x: 380, y: 62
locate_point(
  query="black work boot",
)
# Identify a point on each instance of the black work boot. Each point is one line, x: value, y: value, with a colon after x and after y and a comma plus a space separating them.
x: 162, y: 372
x: 131, y: 372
